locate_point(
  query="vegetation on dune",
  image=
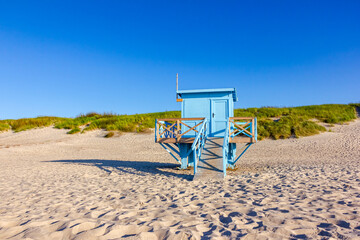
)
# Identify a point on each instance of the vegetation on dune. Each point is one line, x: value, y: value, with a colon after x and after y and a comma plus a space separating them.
x: 296, y: 121
x: 74, y: 130
x: 129, y: 123
x: 109, y: 134
x: 355, y: 104
x: 357, y: 107
x: 276, y: 123
x: 329, y: 113
x: 286, y: 127
x: 4, y: 126
x: 29, y: 123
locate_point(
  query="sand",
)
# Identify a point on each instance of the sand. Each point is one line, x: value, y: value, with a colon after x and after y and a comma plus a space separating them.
x: 59, y: 186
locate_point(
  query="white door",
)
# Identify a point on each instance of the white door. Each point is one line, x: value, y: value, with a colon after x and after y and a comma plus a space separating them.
x: 219, y: 116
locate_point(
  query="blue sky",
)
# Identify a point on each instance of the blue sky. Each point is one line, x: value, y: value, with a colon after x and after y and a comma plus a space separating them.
x: 63, y: 58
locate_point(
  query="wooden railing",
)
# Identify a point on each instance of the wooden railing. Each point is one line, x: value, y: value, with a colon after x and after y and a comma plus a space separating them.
x: 199, y: 143
x: 175, y: 129
x: 242, y: 129
x: 239, y: 130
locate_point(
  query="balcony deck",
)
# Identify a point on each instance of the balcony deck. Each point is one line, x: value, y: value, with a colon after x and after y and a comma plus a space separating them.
x: 175, y: 140
x: 241, y: 129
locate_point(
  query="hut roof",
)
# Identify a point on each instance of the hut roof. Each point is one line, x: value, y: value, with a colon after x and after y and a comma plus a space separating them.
x: 215, y: 90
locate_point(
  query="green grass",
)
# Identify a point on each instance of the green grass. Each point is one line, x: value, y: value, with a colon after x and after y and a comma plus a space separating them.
x: 29, y: 123
x: 74, y: 130
x: 109, y: 135
x: 4, y: 126
x: 330, y: 113
x: 275, y: 123
x: 355, y: 104
x: 296, y: 121
x: 286, y: 127
x: 129, y: 123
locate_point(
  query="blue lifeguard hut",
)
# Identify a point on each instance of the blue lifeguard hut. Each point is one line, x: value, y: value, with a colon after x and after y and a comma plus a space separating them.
x: 216, y: 105
x: 206, y: 135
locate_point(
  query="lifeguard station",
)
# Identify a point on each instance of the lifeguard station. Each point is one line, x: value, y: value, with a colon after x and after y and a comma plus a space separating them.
x: 206, y: 135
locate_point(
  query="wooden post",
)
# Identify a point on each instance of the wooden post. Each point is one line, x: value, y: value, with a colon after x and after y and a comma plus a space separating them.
x: 252, y: 130
x: 177, y: 129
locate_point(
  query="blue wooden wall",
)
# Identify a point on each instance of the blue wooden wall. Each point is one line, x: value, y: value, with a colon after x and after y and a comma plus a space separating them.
x: 217, y: 105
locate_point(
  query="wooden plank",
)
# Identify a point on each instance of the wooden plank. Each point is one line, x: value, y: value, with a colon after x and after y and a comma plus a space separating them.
x: 159, y: 129
x: 190, y: 129
x: 165, y: 129
x: 237, y: 129
x: 186, y: 140
x: 168, y: 129
x: 240, y: 140
x: 174, y: 140
x: 243, y: 125
x: 161, y: 124
x: 239, y: 118
x: 177, y: 127
x: 188, y: 126
x: 178, y: 136
x: 190, y: 119
x: 243, y: 129
x: 182, y: 119
x: 167, y: 140
x: 253, y: 130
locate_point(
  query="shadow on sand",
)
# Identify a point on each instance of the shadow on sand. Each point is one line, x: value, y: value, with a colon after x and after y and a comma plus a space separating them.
x: 131, y: 167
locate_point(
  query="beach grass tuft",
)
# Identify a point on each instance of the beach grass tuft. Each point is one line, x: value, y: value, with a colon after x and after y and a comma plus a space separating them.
x: 109, y: 135
x: 74, y: 130
x: 4, y: 126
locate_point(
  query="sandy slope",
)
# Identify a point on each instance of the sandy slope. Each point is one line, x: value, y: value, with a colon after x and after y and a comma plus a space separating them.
x: 57, y: 186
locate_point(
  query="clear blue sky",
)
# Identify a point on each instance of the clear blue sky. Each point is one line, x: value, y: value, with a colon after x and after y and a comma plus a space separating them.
x: 63, y: 58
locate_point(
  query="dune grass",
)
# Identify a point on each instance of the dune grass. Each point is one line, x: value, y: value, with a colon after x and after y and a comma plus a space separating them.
x: 329, y: 113
x: 29, y: 123
x: 273, y: 122
x: 296, y: 121
x: 129, y: 123
x: 109, y: 134
x: 4, y: 126
x: 286, y: 127
x: 74, y: 130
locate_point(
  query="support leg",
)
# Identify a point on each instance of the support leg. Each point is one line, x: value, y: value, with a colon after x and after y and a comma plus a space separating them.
x: 191, y: 158
x: 232, y: 155
x: 183, y: 147
x: 241, y: 151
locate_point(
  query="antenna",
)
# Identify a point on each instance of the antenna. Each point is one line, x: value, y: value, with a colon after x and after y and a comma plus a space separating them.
x: 177, y: 88
x: 177, y: 82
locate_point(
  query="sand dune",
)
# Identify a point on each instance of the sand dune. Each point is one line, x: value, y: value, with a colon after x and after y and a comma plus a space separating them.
x: 59, y: 186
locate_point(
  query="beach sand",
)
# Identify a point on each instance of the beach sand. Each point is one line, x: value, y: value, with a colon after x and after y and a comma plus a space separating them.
x: 59, y: 186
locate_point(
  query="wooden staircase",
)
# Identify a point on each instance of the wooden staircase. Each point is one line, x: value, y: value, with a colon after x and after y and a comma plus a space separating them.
x: 210, y: 165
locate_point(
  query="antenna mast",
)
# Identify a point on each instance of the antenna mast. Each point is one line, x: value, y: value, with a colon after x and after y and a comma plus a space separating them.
x: 177, y: 88
x: 177, y: 84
